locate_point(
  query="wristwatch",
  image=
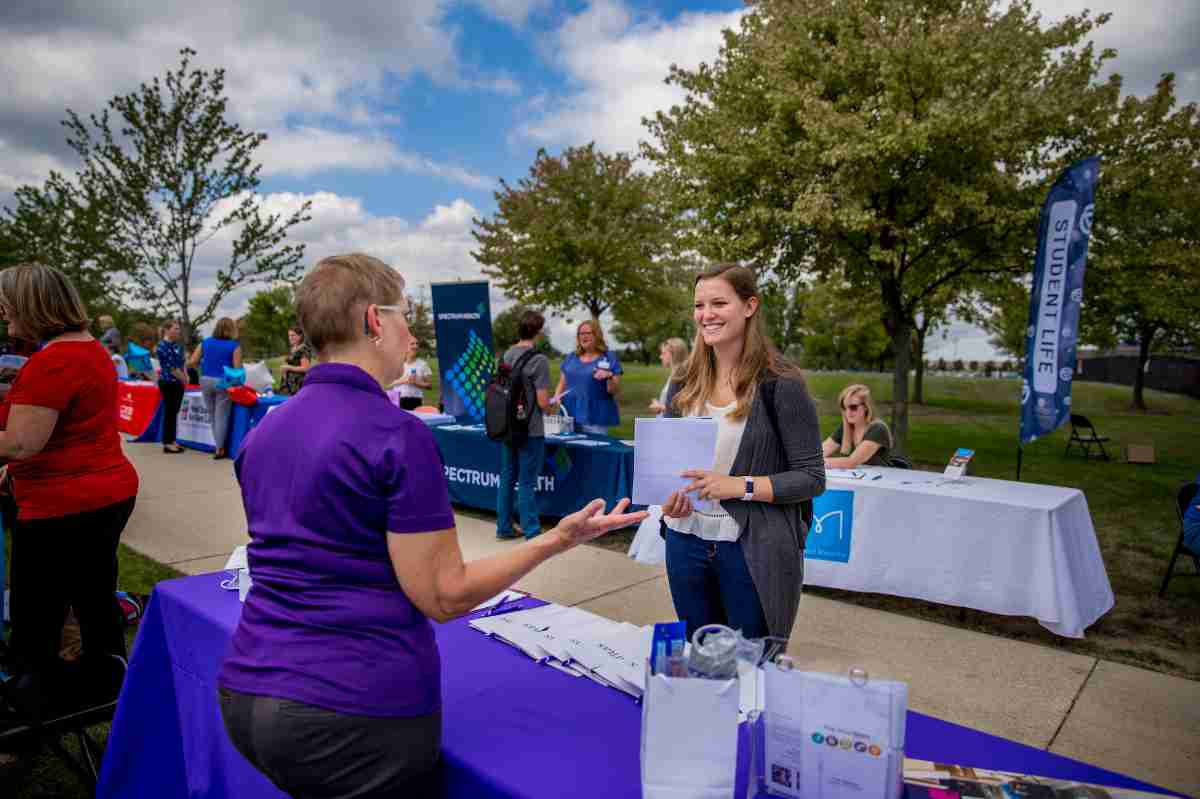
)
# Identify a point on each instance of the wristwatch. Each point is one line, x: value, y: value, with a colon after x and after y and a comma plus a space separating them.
x: 749, y: 495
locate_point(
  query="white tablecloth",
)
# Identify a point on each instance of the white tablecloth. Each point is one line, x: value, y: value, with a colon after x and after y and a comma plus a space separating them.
x: 1019, y: 549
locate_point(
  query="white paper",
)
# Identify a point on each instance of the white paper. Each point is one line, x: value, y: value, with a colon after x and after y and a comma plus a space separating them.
x: 664, y: 449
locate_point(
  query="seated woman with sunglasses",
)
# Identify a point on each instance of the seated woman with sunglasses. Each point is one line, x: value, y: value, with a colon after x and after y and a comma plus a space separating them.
x: 862, y: 440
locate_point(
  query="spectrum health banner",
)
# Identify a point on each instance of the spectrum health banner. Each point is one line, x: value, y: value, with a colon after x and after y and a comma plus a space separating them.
x: 1057, y: 291
x: 462, y: 322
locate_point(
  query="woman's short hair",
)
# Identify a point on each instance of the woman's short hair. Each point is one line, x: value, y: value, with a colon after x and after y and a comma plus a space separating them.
x: 598, y: 342
x: 333, y: 297
x: 43, y: 300
x: 299, y: 331
x: 105, y: 320
x: 530, y: 325
x: 226, y: 328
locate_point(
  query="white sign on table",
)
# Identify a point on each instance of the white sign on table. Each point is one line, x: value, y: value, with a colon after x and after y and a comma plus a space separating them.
x: 194, y: 424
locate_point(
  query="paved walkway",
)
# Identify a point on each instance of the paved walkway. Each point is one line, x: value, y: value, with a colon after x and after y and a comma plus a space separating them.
x: 1126, y: 719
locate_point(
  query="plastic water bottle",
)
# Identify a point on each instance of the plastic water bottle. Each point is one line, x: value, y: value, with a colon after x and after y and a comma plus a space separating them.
x: 714, y: 653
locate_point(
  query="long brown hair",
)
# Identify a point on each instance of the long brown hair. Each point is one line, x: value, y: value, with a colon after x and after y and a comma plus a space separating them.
x: 760, y: 358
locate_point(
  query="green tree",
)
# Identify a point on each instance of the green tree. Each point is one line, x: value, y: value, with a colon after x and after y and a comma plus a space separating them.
x: 60, y: 224
x: 659, y: 313
x: 504, y: 332
x: 1143, y: 278
x: 835, y: 333
x: 582, y: 230
x: 265, y: 325
x: 903, y: 142
x: 162, y: 179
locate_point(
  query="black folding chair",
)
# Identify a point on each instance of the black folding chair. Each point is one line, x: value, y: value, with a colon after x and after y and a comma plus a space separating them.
x: 1080, y: 423
x: 1183, y: 498
x: 22, y: 731
x: 899, y: 461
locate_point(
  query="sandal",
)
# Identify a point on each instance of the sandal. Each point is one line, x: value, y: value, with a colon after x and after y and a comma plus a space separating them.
x: 173, y: 450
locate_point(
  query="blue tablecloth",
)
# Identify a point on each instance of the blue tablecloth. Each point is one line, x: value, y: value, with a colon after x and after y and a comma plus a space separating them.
x: 573, y: 474
x: 512, y: 727
x: 246, y: 417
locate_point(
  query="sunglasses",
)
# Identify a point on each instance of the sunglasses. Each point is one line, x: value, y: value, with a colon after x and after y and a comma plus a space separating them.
x: 852, y: 407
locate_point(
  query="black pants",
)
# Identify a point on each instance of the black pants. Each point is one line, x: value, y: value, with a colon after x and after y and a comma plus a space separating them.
x: 410, y: 403
x: 172, y: 397
x: 60, y: 563
x: 310, y: 752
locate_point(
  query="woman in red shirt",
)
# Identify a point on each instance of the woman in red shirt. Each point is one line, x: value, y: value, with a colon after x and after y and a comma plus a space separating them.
x: 73, y: 485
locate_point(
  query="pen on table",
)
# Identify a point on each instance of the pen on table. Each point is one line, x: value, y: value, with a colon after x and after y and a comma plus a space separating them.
x: 877, y: 477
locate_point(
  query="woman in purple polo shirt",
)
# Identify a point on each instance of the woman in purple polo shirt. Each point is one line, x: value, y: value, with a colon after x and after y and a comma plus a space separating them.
x: 331, y: 686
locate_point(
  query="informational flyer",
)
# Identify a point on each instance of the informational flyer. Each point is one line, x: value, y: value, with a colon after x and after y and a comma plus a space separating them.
x: 828, y: 737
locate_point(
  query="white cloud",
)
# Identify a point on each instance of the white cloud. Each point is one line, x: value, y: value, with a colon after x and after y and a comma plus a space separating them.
x: 514, y: 12
x: 290, y: 66
x: 616, y: 64
x: 308, y: 150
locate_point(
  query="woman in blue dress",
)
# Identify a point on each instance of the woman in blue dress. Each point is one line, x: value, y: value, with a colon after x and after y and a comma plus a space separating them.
x: 592, y: 375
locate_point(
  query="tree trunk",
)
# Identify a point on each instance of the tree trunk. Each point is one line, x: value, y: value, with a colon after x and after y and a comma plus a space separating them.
x: 902, y: 349
x: 919, y: 382
x: 1139, y: 378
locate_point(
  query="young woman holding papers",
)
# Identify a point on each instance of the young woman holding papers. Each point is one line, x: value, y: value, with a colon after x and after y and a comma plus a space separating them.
x: 735, y: 553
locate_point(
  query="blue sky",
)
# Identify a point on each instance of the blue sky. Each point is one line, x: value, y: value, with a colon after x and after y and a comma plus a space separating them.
x: 396, y: 121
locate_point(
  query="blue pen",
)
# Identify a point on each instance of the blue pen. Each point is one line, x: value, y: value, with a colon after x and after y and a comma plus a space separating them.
x: 877, y: 477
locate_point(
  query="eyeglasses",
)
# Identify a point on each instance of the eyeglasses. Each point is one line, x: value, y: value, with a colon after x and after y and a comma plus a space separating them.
x: 393, y: 308
x: 852, y: 407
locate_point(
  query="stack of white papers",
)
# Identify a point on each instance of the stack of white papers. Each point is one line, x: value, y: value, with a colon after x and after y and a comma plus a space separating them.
x: 665, y: 449
x: 577, y: 642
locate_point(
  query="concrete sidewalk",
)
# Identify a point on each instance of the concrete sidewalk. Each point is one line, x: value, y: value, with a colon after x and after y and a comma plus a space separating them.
x: 1130, y: 720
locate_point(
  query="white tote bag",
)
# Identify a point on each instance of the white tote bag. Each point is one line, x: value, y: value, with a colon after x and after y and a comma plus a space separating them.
x: 689, y: 738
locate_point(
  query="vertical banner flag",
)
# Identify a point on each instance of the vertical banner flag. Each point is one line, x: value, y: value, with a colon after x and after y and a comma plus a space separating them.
x: 1054, y: 300
x: 462, y: 323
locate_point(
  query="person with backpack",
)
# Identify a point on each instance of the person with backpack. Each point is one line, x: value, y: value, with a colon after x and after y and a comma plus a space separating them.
x: 524, y: 444
x: 735, y: 551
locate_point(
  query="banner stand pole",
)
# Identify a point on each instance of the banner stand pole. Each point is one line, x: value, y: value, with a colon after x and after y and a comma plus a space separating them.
x: 1020, y: 452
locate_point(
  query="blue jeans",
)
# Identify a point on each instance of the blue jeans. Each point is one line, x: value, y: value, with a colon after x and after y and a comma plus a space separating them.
x: 711, y: 584
x: 528, y: 462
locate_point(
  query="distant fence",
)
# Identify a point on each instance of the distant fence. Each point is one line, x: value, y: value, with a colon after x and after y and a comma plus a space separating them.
x: 1166, y: 373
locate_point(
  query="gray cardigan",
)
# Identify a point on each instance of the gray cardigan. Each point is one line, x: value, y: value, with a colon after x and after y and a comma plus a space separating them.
x: 773, y: 533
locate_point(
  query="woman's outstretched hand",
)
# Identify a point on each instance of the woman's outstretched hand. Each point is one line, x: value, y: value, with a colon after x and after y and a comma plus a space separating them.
x: 591, y: 521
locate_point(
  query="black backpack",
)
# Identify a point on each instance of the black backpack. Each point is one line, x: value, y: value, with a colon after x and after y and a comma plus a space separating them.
x: 508, y: 401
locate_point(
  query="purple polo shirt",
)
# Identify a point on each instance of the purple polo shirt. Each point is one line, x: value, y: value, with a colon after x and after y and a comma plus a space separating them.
x: 324, y: 478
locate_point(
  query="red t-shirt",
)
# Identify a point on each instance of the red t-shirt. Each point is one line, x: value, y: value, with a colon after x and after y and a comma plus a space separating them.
x: 82, y: 467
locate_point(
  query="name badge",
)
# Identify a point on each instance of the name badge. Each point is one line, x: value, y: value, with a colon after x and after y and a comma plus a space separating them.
x: 602, y: 364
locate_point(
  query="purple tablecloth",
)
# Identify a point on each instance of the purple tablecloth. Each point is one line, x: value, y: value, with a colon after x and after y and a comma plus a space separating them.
x: 512, y: 728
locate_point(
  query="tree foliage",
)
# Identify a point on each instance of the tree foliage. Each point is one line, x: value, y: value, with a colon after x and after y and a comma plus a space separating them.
x: 163, y: 173
x: 420, y: 324
x: 1143, y: 278
x: 661, y: 312
x: 584, y: 229
x: 264, y: 328
x: 504, y: 332
x: 902, y: 143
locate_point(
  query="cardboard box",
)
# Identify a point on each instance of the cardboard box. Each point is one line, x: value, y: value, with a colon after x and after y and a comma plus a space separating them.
x: 1139, y: 453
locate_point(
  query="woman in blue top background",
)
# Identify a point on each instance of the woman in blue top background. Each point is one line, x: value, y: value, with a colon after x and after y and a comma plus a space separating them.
x: 592, y: 375
x: 171, y: 382
x: 221, y: 349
